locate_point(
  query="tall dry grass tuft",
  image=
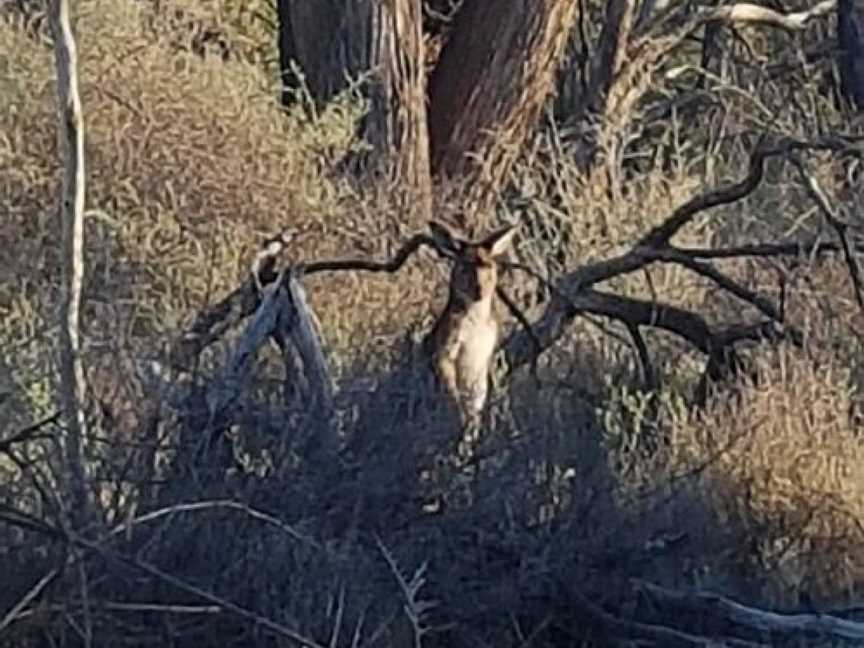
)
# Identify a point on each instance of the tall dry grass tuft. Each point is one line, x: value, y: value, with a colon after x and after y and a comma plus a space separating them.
x: 191, y: 162
x: 774, y: 467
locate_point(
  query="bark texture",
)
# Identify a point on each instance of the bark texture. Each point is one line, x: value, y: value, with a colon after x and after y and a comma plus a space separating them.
x: 491, y: 82
x: 380, y: 42
x: 332, y: 42
x: 396, y: 124
x: 72, y: 386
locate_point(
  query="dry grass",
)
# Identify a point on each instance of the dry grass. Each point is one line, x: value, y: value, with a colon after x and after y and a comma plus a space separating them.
x: 776, y: 467
x: 191, y: 163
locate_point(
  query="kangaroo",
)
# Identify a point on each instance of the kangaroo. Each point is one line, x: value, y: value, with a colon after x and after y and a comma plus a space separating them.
x: 462, y: 341
x: 456, y: 354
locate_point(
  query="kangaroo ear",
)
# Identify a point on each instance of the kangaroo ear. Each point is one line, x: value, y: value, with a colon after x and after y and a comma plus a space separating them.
x: 500, y: 240
x: 445, y: 238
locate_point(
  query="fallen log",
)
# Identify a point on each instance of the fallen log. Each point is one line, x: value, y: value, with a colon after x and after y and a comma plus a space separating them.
x: 712, y: 615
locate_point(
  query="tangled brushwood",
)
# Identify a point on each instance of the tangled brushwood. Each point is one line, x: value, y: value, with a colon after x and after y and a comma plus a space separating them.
x: 285, y: 367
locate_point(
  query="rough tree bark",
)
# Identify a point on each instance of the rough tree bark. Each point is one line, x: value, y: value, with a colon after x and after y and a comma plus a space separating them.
x: 72, y: 386
x: 489, y: 86
x: 485, y: 93
x: 397, y: 118
x: 331, y: 42
x: 335, y: 42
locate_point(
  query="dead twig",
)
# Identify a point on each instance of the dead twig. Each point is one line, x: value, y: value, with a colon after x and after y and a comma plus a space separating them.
x: 708, y: 611
x: 212, y: 322
x: 23, y: 520
x: 815, y: 191
x: 15, y: 611
x: 190, y: 507
x: 661, y: 635
x: 29, y: 433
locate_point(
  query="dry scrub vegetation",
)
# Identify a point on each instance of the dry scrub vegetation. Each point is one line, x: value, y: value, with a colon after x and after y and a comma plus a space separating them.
x: 192, y: 164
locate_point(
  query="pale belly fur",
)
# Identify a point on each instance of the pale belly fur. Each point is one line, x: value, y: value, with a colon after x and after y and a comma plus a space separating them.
x: 476, y: 347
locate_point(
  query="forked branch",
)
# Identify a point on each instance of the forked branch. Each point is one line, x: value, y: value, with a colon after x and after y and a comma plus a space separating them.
x: 212, y: 322
x: 575, y: 293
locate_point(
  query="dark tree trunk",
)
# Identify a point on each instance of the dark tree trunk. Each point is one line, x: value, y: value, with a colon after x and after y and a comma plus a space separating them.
x: 850, y: 36
x: 287, y: 53
x: 336, y: 42
x: 396, y: 124
x: 489, y: 86
x: 712, y: 54
x: 487, y: 89
x: 331, y: 42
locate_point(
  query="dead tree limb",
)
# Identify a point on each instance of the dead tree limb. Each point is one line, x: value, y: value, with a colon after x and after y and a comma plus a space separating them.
x: 306, y: 335
x: 72, y: 384
x: 710, y: 614
x: 298, y: 336
x: 19, y: 519
x: 746, y: 12
x: 29, y: 433
x: 283, y: 315
x: 608, y: 625
x: 574, y: 293
x: 212, y: 322
x: 234, y: 378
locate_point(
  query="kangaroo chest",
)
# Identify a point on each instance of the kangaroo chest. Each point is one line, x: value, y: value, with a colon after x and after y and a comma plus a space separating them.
x: 476, y: 343
x: 469, y: 350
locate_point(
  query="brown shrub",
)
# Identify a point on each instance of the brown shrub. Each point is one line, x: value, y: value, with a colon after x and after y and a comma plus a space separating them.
x: 776, y: 465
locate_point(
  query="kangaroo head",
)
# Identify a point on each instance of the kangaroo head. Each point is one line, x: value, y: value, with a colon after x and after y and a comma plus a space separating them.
x: 475, y: 269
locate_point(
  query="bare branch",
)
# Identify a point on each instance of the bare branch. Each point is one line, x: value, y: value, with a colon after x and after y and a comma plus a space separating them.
x: 621, y: 628
x: 16, y: 610
x: 572, y: 294
x: 298, y: 326
x: 29, y: 433
x: 710, y: 610
x: 730, y: 193
x: 746, y: 12
x: 72, y: 385
x: 812, y: 247
x: 22, y: 520
x: 212, y: 322
x: 126, y: 527
x: 364, y: 265
x: 649, y: 375
x: 821, y: 200
x: 726, y: 283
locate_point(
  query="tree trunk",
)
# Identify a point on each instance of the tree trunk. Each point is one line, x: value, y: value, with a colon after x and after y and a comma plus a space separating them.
x: 850, y: 36
x: 72, y: 386
x: 600, y: 98
x: 491, y: 82
x: 287, y: 53
x: 331, y: 40
x: 336, y: 42
x: 396, y: 123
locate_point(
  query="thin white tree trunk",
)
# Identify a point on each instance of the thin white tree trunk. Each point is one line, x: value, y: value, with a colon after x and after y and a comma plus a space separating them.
x: 71, y: 133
